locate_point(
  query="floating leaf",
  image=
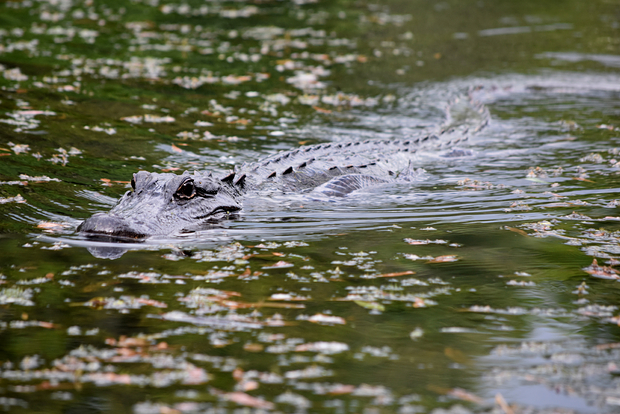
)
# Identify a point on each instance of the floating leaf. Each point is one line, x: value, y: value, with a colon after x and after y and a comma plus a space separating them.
x: 456, y: 355
x: 327, y: 319
x: 280, y: 264
x: 17, y: 199
x: 370, y: 305
x: 50, y: 227
x: 444, y: 259
x: 602, y: 272
x: 242, y: 398
x: 582, y: 179
x: 321, y: 110
x: 328, y: 348
x: 286, y: 297
x: 416, y: 334
x: 499, y: 400
x: 406, y: 272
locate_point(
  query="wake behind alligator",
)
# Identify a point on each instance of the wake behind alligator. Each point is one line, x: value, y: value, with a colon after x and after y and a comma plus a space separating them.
x: 168, y: 204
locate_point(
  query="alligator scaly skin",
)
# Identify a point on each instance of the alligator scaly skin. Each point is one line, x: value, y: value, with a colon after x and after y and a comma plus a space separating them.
x: 308, y: 167
x: 164, y: 204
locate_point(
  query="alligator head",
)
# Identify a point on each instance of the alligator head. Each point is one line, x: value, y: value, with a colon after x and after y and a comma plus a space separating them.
x: 163, y: 204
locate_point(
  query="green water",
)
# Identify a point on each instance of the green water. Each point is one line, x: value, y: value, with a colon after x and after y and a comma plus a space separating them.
x: 467, y: 290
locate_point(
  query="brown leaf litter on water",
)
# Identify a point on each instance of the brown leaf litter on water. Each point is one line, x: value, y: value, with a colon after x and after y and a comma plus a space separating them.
x: 515, y: 230
x: 396, y: 274
x: 321, y: 110
x: 424, y: 242
x: 108, y: 182
x: 279, y: 264
x: 470, y: 184
x: 602, y: 272
x: 456, y: 355
x: 17, y: 199
x: 124, y: 302
x: 458, y: 393
x: 287, y: 297
x: 326, y: 319
x: 202, y: 298
x: 253, y: 347
x: 323, y: 347
x: 499, y: 400
x: 444, y: 259
x: 52, y: 227
x: 247, y: 400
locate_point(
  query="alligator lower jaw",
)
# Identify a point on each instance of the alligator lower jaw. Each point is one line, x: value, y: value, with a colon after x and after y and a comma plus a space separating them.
x: 113, y: 238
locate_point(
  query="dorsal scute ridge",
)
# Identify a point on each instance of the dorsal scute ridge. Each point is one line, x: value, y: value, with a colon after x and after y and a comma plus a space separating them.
x: 464, y: 116
x: 360, y: 147
x: 357, y: 152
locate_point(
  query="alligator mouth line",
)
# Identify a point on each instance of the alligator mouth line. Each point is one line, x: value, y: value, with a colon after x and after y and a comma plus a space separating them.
x: 218, y: 211
x: 115, y: 237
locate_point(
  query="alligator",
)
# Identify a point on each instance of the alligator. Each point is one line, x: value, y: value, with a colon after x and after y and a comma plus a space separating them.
x: 166, y: 203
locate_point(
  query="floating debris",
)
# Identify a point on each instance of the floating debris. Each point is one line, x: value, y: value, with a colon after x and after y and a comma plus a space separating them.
x: 601, y: 272
x: 328, y: 348
x: 427, y: 241
x: 443, y: 259
x: 124, y: 303
x: 247, y: 400
x: 279, y: 264
x: 155, y: 119
x: 52, y: 227
x: 38, y: 179
x: 478, y: 185
x: 16, y: 296
x: 521, y: 283
x: 16, y: 199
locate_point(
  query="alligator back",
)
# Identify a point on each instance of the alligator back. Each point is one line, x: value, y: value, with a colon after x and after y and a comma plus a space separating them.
x: 365, y: 163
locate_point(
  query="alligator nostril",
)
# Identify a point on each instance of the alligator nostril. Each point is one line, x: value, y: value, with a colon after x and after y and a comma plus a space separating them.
x: 101, y: 223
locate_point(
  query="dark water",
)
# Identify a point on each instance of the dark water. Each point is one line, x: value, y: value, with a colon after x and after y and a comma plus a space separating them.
x: 470, y: 289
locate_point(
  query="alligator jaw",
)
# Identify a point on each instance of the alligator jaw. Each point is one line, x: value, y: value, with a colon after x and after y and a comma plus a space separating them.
x: 107, y: 227
x: 111, y: 228
x: 219, y: 213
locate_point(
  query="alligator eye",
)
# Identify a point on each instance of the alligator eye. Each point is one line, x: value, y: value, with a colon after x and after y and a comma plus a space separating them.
x: 187, y: 190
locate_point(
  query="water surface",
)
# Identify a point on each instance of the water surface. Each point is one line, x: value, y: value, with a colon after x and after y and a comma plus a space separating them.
x: 470, y: 289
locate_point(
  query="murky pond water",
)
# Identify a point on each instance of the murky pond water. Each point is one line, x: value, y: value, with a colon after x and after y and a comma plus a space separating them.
x: 486, y: 284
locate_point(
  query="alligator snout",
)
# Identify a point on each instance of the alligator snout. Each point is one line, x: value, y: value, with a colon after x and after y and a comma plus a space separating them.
x: 107, y: 226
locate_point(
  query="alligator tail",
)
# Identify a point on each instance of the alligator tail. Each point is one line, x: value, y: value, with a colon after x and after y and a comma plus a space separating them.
x: 465, y: 115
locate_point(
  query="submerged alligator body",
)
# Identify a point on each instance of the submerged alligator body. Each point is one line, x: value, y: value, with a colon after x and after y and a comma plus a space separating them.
x: 166, y: 204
